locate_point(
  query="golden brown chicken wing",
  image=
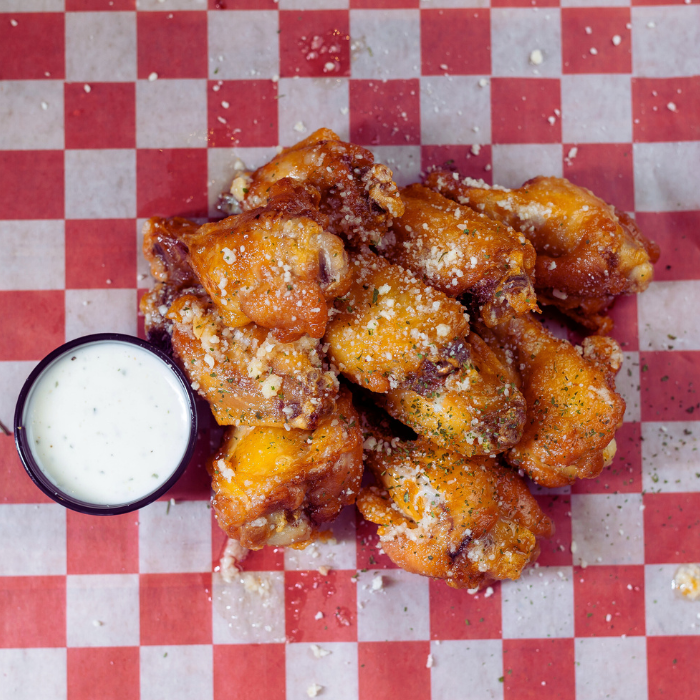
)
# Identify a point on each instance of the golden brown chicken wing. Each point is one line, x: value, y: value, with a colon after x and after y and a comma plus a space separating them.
x: 358, y: 195
x: 458, y: 250
x: 573, y: 410
x: 166, y: 253
x: 440, y: 514
x: 274, y: 487
x: 588, y: 252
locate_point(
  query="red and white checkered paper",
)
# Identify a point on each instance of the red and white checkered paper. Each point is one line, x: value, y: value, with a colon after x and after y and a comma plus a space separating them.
x: 129, y: 607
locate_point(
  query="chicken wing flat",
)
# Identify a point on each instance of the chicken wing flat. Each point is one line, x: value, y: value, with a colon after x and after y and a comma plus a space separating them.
x: 275, y: 265
x: 573, y: 410
x: 410, y: 343
x: 440, y: 514
x: 248, y: 376
x: 588, y: 252
x: 274, y: 487
x: 458, y: 250
x: 166, y: 253
x: 358, y: 195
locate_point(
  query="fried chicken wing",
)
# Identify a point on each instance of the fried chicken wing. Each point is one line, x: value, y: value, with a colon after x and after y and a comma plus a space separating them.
x: 440, y: 514
x: 573, y: 410
x: 358, y: 195
x: 588, y: 252
x: 166, y: 253
x: 410, y: 343
x: 274, y: 487
x: 458, y: 250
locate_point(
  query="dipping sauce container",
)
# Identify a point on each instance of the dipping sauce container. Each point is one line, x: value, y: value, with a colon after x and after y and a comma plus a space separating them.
x: 106, y: 424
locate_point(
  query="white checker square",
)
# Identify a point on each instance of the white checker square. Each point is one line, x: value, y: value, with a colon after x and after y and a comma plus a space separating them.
x: 480, y: 661
x: 666, y: 176
x: 398, y: 611
x: 314, y: 4
x: 667, y: 612
x: 13, y: 374
x: 596, y: 108
x: 434, y: 4
x: 611, y: 667
x: 336, y: 673
x: 100, y: 46
x: 100, y: 184
x: 100, y: 311
x: 607, y: 528
x: 175, y: 538
x: 243, y: 45
x: 595, y: 3
x: 516, y: 32
x: 33, y: 6
x: 170, y: 5
x: 249, y: 609
x: 181, y: 104
x: 102, y: 611
x: 177, y: 672
x: 668, y: 316
x: 28, y: 246
x: 385, y: 44
x: 669, y: 47
x: 330, y: 99
x: 403, y: 161
x: 627, y: 385
x: 340, y: 554
x: 454, y: 110
x: 31, y: 114
x: 34, y: 539
x: 33, y: 674
x: 539, y: 605
x: 670, y: 457
x: 513, y: 164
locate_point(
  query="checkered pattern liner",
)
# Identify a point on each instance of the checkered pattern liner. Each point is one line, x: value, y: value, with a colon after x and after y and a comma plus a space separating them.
x: 111, y: 113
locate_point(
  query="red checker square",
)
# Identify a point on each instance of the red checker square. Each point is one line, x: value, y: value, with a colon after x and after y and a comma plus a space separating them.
x: 114, y: 670
x: 385, y: 113
x: 666, y: 109
x: 538, y: 668
x: 315, y: 43
x: 521, y: 107
x: 624, y: 315
x: 672, y: 667
x: 161, y: 38
x: 32, y: 611
x: 265, y: 559
x: 243, y: 4
x: 604, y: 22
x: 609, y: 601
x: 457, y: 42
x: 669, y: 385
x: 102, y: 545
x: 604, y: 168
x: 556, y: 551
x: 242, y: 113
x: 386, y: 666
x: 459, y: 159
x: 175, y: 608
x: 31, y: 184
x: 455, y: 614
x: 99, y: 250
x: 17, y: 487
x: 335, y: 595
x: 369, y: 555
x: 624, y: 475
x: 100, y: 5
x: 34, y: 324
x: 384, y: 4
x: 105, y: 117
x: 249, y: 672
x: 34, y: 49
x: 671, y: 528
x: 171, y: 182
x: 676, y: 234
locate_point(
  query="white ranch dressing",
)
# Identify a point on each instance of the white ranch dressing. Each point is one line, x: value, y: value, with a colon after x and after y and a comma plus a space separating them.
x: 108, y: 423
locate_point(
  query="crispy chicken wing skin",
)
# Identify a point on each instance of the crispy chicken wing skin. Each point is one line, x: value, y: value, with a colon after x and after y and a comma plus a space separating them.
x: 588, y: 252
x: 275, y: 265
x: 573, y: 410
x: 440, y: 514
x: 358, y: 195
x: 166, y: 253
x: 274, y: 487
x: 410, y: 343
x: 458, y: 250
